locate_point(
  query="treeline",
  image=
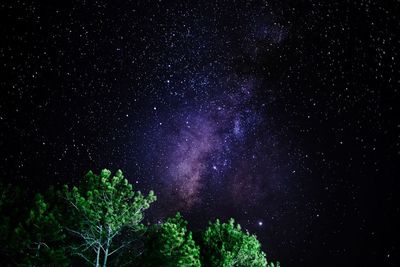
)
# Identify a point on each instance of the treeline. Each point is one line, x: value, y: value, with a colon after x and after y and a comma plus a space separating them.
x: 99, y: 223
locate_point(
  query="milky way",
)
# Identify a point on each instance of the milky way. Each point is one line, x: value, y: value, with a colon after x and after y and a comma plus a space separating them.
x: 218, y: 139
x: 213, y: 143
x: 191, y: 157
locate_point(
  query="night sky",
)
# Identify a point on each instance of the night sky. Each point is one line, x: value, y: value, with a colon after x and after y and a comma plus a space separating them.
x: 280, y: 114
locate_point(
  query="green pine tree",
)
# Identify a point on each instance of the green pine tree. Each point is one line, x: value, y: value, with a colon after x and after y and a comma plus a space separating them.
x: 33, y: 236
x: 170, y: 244
x: 103, y: 206
x: 42, y: 235
x: 226, y: 245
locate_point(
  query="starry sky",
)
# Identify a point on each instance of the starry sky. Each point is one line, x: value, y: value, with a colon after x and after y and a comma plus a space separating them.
x: 280, y: 114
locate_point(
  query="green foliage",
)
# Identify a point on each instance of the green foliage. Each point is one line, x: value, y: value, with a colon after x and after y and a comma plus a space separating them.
x: 170, y: 244
x: 101, y: 218
x: 37, y: 239
x: 104, y: 205
x: 42, y: 235
x: 226, y: 245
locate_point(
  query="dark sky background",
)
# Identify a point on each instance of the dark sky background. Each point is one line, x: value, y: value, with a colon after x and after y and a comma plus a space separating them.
x: 280, y: 114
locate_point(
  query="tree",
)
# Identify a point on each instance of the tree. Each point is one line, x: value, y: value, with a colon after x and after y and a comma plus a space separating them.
x: 42, y: 235
x: 226, y: 245
x: 103, y: 207
x: 33, y: 236
x: 170, y: 244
